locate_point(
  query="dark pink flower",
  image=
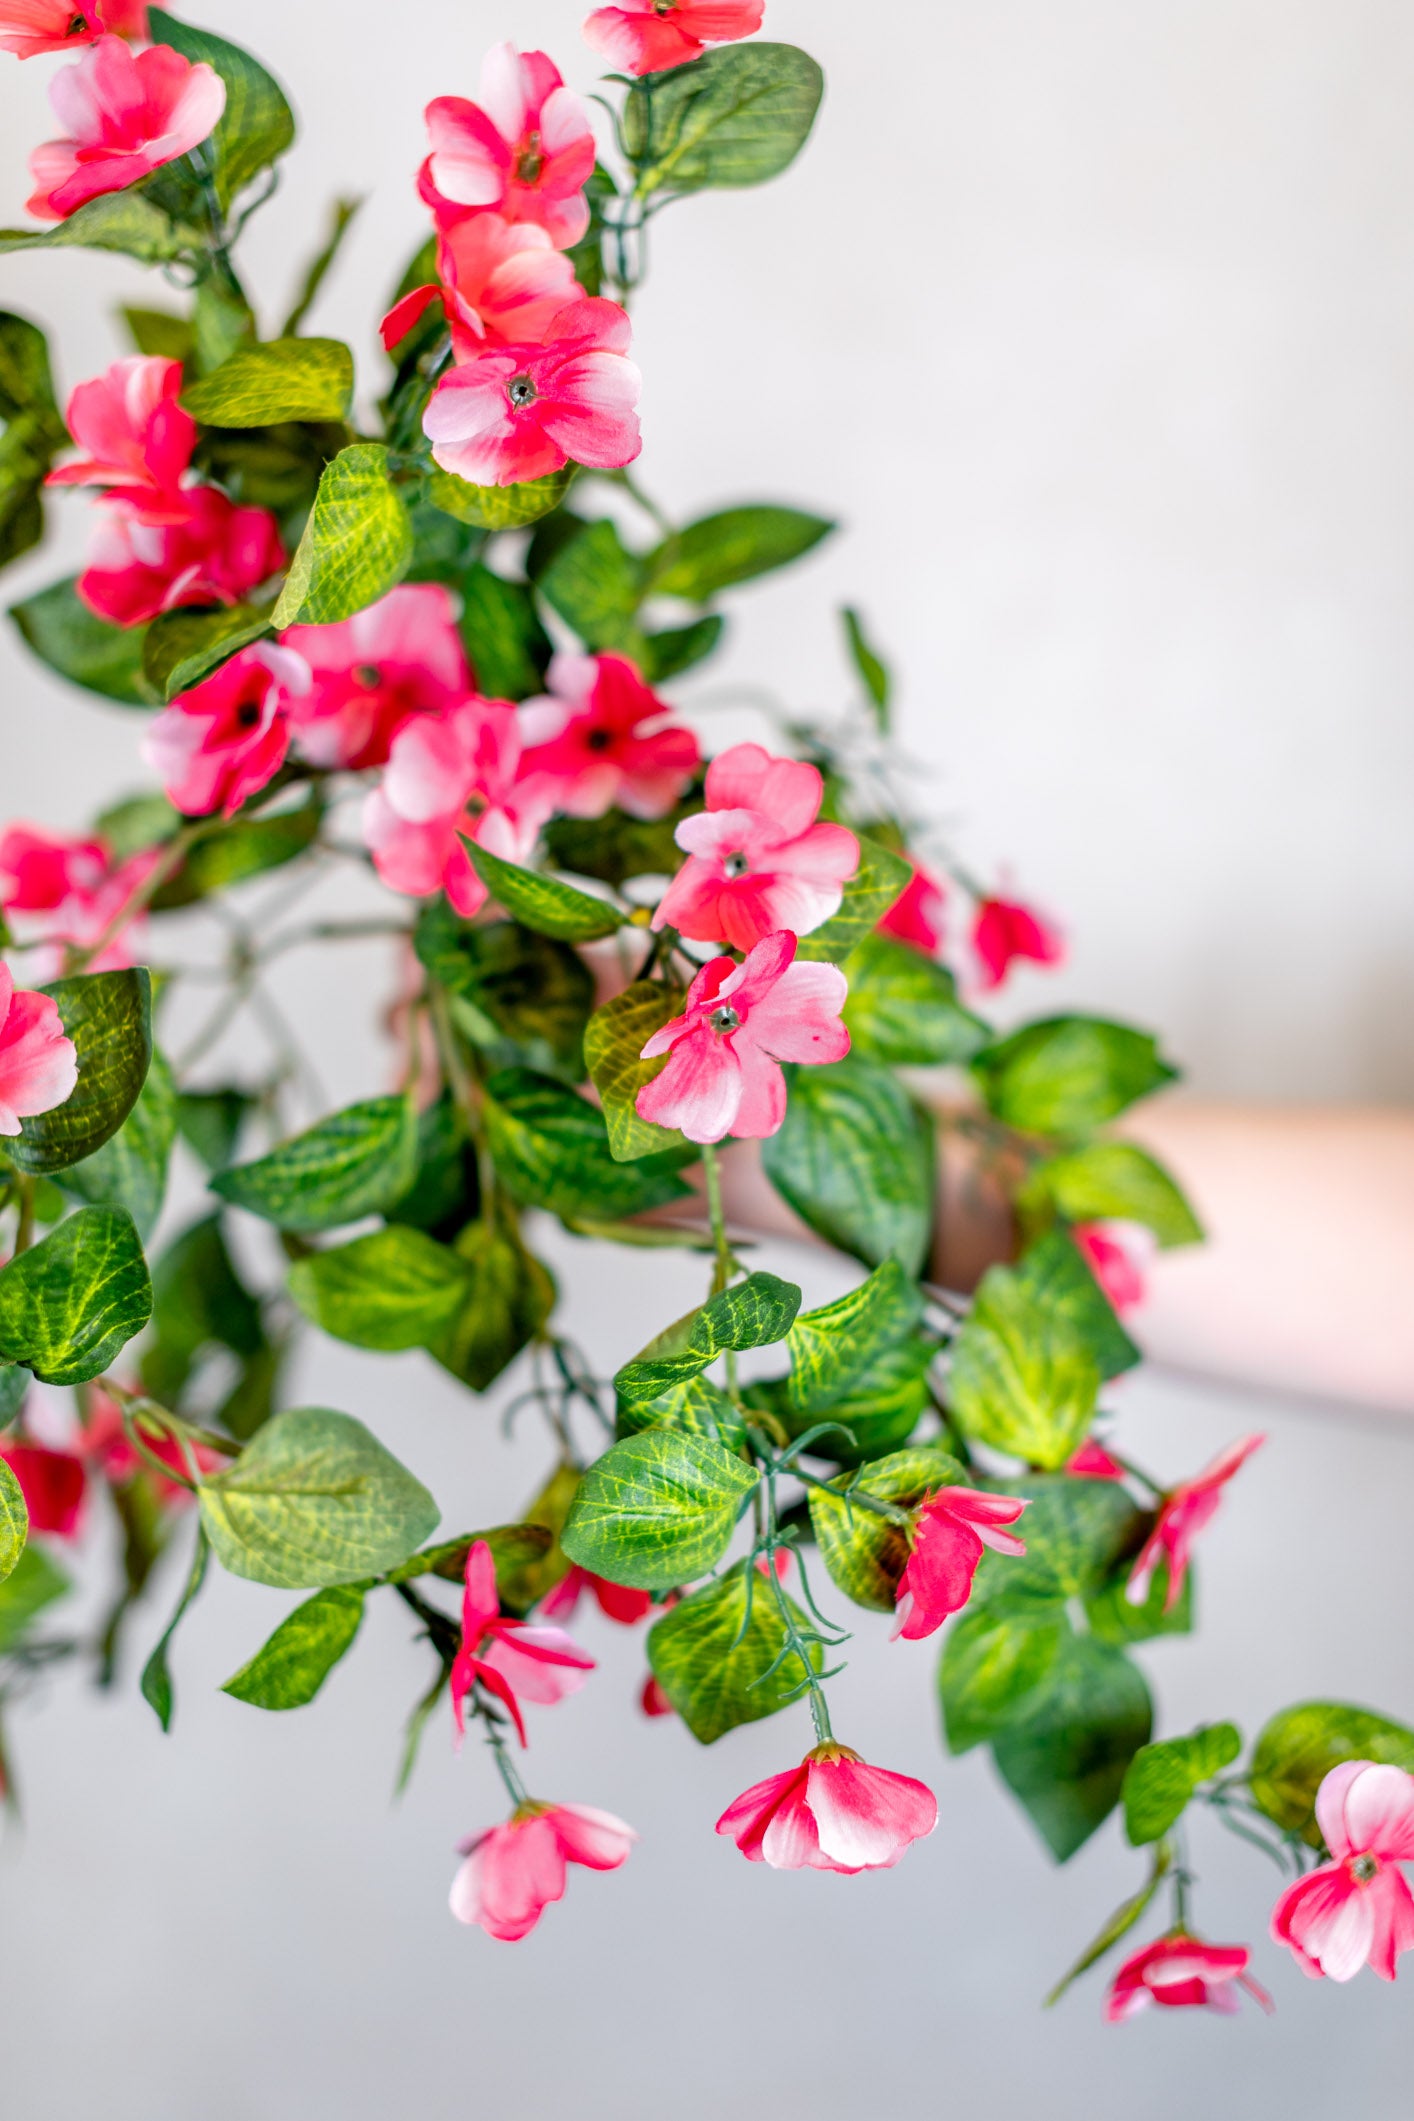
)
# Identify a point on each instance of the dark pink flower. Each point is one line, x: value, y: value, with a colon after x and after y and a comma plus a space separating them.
x: 653, y: 1701
x: 832, y: 1813
x: 508, y: 1657
x: 757, y: 861
x: 215, y: 554
x: 61, y: 891
x: 615, y: 1600
x: 38, y: 1064
x: 1116, y: 1254
x: 1182, y: 1515
x: 127, y: 113
x: 1356, y: 1910
x: 512, y: 1872
x: 648, y: 36
x: 28, y: 27
x: 1093, y: 1462
x: 603, y: 739
x: 525, y: 151
x: 370, y: 675
x: 499, y: 282
x: 1179, y: 1971
x: 741, y: 1021
x: 220, y: 743
x: 52, y: 1483
x: 448, y: 777
x: 137, y: 439
x: 519, y: 412
x: 916, y: 915
x: 949, y: 1533
x: 1003, y: 931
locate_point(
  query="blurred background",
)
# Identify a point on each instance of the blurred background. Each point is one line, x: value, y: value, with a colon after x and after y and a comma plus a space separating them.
x: 1094, y: 327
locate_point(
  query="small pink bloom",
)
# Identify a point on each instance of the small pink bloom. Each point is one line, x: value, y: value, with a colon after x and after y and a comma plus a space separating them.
x: 740, y: 1023
x: 1003, y: 931
x: 513, y: 1872
x: 138, y: 440
x: 1356, y: 1910
x: 447, y: 777
x: 1180, y: 1972
x: 648, y: 36
x: 1116, y: 1254
x: 603, y: 739
x: 216, y: 554
x: 38, y: 1064
x: 757, y: 860
x: 653, y: 1701
x: 615, y: 1600
x: 916, y: 915
x: 106, y: 1445
x: 500, y: 283
x: 832, y: 1813
x: 28, y: 27
x: 220, y: 743
x: 509, y: 1657
x: 1093, y: 1462
x: 526, y: 150
x: 369, y: 676
x: 1182, y: 1516
x: 949, y: 1533
x: 52, y: 1483
x: 519, y: 412
x: 60, y: 891
x: 127, y: 113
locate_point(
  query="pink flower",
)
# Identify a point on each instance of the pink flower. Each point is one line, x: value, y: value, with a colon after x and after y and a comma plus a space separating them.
x: 1002, y: 931
x: 448, y: 777
x: 52, y: 1483
x: 916, y: 915
x: 603, y: 739
x: 220, y: 743
x: 1357, y: 1909
x: 514, y: 1871
x: 832, y: 1813
x: 519, y: 412
x: 653, y: 1701
x: 1116, y: 1254
x: 756, y: 859
x: 648, y: 36
x: 1093, y: 1462
x: 38, y: 1064
x: 615, y: 1600
x: 723, y: 1074
x: 1180, y: 1971
x: 127, y: 113
x: 1182, y: 1516
x: 137, y: 437
x: 28, y: 27
x: 374, y: 673
x: 499, y: 282
x: 508, y: 1657
x: 949, y: 1533
x: 215, y: 554
x: 67, y: 891
x: 105, y: 1444
x: 525, y: 151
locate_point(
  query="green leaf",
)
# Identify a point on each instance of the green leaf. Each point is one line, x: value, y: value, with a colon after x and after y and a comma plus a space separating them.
x: 1068, y: 1074
x: 657, y: 1510
x: 512, y: 1294
x: 755, y: 1313
x: 130, y: 1171
x: 524, y: 1582
x: 1107, y: 1180
x: 74, y: 1300
x: 108, y: 1015
x: 288, y: 1671
x: 498, y: 507
x: 210, y: 1122
x: 314, y: 1499
x: 34, y: 1582
x: 14, y: 1386
x: 868, y: 895
x: 614, y: 1039
x: 159, y: 331
x: 713, y: 1657
x: 833, y: 1348
x: 1161, y: 1778
x: 1056, y: 1274
x: 58, y: 627
x: 876, y: 1415
x: 1022, y: 1378
x: 355, y: 1163
x: 514, y: 1549
x: 356, y: 546
x: 1066, y: 1763
x: 596, y: 586
x: 1114, y: 1619
x: 156, y: 1680
x: 995, y: 1667
x: 551, y: 1148
x: 396, y: 1288
x: 543, y: 902
x: 696, y: 1405
x: 665, y: 655
x: 616, y: 846
x: 735, y: 546
x: 25, y: 381
x: 1298, y: 1748
x: 903, y: 1007
x: 521, y: 998
x: 1120, y: 1923
x: 244, y: 848
x: 183, y: 647
x: 257, y: 125
x: 444, y: 1195
x: 14, y: 1522
x: 199, y: 1303
x: 736, y: 116
x: 865, y: 1553
x: 1075, y: 1532
x: 504, y: 639
x: 870, y: 669
x: 284, y: 379
x: 123, y: 221
x: 855, y: 1161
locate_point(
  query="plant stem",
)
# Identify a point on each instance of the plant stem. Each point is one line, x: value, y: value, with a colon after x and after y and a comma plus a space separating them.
x: 712, y: 1171
x: 24, y: 1233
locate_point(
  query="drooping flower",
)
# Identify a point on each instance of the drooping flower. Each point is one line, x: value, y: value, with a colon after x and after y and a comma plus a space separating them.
x: 525, y: 150
x: 52, y: 1483
x: 450, y: 777
x: 61, y: 891
x: 832, y: 1813
x: 603, y: 739
x: 38, y: 1064
x: 127, y: 113
x: 372, y: 674
x: 136, y: 437
x: 1115, y: 1254
x: 220, y: 743
x: 215, y: 554
x: 519, y: 412
x: 916, y: 915
x: 28, y: 27
x: 1182, y: 1515
x: 757, y: 860
x: 1357, y: 1909
x: 509, y: 1657
x: 648, y: 36
x: 512, y: 1872
x: 500, y: 283
x: 1182, y: 1972
x: 1003, y: 931
x: 741, y: 1021
x: 1093, y: 1462
x: 617, y: 1601
x: 949, y: 1533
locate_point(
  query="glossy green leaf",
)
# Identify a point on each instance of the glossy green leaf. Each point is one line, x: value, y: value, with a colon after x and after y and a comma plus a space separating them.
x: 498, y: 507
x: 995, y: 1667
x: 241, y: 849
x: 210, y: 1122
x: 257, y: 125
x: 543, y: 902
x: 616, y: 846
x: 71, y: 640
x: 159, y: 331
x: 504, y: 639
x: 523, y: 999
x: 356, y: 545
x: 396, y: 1288
x: 738, y: 115
x: 1297, y: 1749
x: 1161, y: 1778
x: 199, y: 1303
x: 657, y: 1510
x: 713, y: 1657
x: 864, y: 1552
x: 696, y: 1405
x: 156, y: 1679
x: 614, y: 1039
x: 855, y: 1161
x: 288, y: 1671
x: 667, y: 654
x: 14, y: 1387
x: 122, y: 221
x: 876, y: 1415
x: 1023, y: 1378
x: 868, y: 895
x: 1066, y: 1763
x: 514, y: 1548
x: 903, y: 1007
x: 512, y: 1294
x: 1107, y: 1180
x: 284, y: 379
x: 1068, y: 1074
x: 1076, y: 1532
x: 33, y: 1583
x: 71, y: 1303
x: 523, y: 1583
x: 833, y: 1348
x: 26, y: 384
x: 130, y: 1170
x: 183, y: 647
x: 735, y: 546
x: 355, y: 1163
x: 1114, y: 1619
x: 1054, y: 1272
x: 595, y: 585
x: 108, y: 1015
x: 14, y: 1522
x: 550, y: 1146
x: 755, y: 1313
x: 869, y: 667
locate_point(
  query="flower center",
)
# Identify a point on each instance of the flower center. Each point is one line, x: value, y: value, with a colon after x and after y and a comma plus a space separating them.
x: 598, y: 740
x: 248, y: 715
x: 521, y: 392
x: 367, y: 675
x: 77, y: 28
x: 1364, y: 1868
x: 530, y: 162
x: 724, y: 1019
x: 735, y: 865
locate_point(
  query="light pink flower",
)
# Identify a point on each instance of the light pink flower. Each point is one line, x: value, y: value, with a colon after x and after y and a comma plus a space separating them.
x: 38, y: 1064
x: 1093, y: 1462
x: 127, y: 113
x: 512, y: 1872
x: 1179, y: 1971
x: 1182, y: 1515
x: 53, y: 1485
x: 648, y: 36
x: 500, y: 283
x: 216, y: 554
x: 370, y: 675
x: 508, y: 1657
x: 916, y: 915
x: 615, y: 1600
x: 137, y: 438
x: 1356, y: 1910
x: 220, y: 743
x: 604, y: 739
x: 1116, y: 1254
x: 832, y: 1813
x: 60, y: 891
x: 28, y: 27
x: 518, y: 412
x: 949, y: 1533
x: 525, y: 151
x: 1003, y: 931
x: 757, y: 860
x: 741, y: 1021
x: 447, y: 777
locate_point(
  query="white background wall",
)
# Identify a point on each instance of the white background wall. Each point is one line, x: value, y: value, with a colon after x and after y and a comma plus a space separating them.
x: 1093, y: 324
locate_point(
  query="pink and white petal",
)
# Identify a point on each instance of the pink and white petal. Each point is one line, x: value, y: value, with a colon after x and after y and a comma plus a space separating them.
x: 533, y: 1678
x: 1330, y: 1807
x: 747, y: 1817
x: 591, y: 409
x: 790, y: 1841
x: 762, y: 1109
x: 1379, y: 1813
x: 1227, y: 1462
x: 504, y: 90
x: 522, y: 1872
x: 867, y: 1817
x: 699, y: 1090
x: 1393, y: 1910
x: 748, y: 777
x: 429, y: 771
x: 38, y: 1064
x: 596, y: 1839
x: 481, y: 1601
x: 752, y: 984
x: 799, y: 1018
x: 1333, y: 1923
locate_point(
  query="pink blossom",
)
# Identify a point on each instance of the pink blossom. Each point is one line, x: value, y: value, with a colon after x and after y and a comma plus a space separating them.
x: 52, y: 1483
x: 615, y: 1600
x: 1116, y: 1254
x: 62, y: 891
x: 28, y: 27
x: 1356, y: 1910
x: 220, y: 743
x: 512, y: 1872
x: 500, y: 283
x: 137, y: 437
x: 215, y: 554
x: 370, y: 675
x: 604, y: 739
x: 519, y: 412
x: 832, y: 1813
x: 1182, y: 1515
x: 450, y: 777
x: 648, y: 36
x: 1003, y: 931
x: 38, y: 1064
x: 916, y: 915
x: 1093, y: 1462
x: 723, y: 1074
x: 756, y: 858
x: 508, y: 1657
x: 127, y: 113
x: 653, y: 1701
x: 525, y: 151
x: 949, y: 1533
x: 1180, y: 1971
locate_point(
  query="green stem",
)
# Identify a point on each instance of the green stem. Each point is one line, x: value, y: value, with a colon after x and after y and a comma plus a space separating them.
x: 24, y: 1233
x: 712, y: 1171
